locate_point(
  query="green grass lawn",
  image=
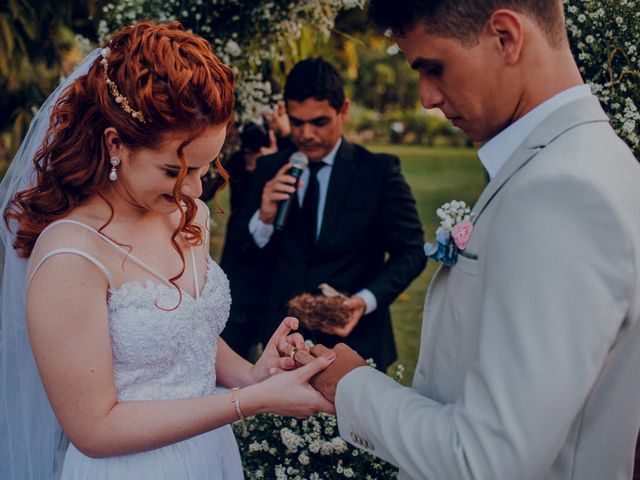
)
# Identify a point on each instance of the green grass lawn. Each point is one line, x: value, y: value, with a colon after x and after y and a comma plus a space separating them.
x: 436, y: 175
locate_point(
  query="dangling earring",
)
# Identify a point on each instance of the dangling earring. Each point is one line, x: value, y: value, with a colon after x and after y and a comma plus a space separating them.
x: 115, y: 161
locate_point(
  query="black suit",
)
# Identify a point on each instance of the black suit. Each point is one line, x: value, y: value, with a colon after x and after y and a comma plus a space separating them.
x: 369, y: 213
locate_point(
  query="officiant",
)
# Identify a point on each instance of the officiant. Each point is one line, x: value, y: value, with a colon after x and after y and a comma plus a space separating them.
x: 353, y: 223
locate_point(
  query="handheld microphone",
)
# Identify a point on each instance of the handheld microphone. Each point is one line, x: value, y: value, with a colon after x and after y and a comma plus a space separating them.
x: 300, y: 162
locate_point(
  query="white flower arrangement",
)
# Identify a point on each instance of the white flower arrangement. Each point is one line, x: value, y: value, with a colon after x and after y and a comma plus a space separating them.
x: 246, y: 34
x: 453, y: 234
x: 278, y: 447
x: 604, y: 37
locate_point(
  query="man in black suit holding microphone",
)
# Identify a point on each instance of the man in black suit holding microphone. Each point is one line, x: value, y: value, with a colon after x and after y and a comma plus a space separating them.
x: 351, y: 223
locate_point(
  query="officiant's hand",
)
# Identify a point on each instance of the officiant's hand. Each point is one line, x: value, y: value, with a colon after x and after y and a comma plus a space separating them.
x: 357, y: 307
x: 276, y: 358
x: 279, y: 188
x: 327, y: 380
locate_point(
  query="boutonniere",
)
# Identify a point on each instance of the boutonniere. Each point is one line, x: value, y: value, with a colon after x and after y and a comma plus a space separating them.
x: 453, y: 234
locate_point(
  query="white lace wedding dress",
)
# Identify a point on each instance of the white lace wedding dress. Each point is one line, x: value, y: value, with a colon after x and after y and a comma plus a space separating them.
x: 158, y: 353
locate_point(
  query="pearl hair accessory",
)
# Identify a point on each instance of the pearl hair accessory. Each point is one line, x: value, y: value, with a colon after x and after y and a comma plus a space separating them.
x: 115, y: 161
x: 120, y: 99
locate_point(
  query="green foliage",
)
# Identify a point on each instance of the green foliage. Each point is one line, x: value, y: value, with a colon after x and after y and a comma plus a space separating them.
x: 36, y: 38
x: 376, y: 74
x: 605, y: 35
x: 385, y: 80
x: 259, y: 40
x: 412, y: 125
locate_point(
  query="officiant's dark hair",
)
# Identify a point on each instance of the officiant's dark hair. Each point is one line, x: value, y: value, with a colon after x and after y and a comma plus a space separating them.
x: 464, y: 19
x: 315, y: 78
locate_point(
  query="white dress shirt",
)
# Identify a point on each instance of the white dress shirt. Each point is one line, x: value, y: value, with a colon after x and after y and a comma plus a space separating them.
x: 261, y: 232
x: 496, y: 151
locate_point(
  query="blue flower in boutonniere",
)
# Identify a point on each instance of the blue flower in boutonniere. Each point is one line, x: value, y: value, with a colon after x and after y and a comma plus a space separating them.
x: 453, y: 234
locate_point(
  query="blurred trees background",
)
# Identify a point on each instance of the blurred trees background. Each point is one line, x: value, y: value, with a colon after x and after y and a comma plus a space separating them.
x: 41, y: 41
x: 38, y: 45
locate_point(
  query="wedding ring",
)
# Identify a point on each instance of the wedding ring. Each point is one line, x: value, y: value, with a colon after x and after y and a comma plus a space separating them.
x: 294, y: 350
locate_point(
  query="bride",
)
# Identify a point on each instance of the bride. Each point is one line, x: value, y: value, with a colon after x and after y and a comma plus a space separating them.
x: 107, y: 246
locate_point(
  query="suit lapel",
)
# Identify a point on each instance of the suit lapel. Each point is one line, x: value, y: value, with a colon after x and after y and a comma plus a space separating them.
x: 342, y: 174
x: 578, y: 112
x: 518, y: 160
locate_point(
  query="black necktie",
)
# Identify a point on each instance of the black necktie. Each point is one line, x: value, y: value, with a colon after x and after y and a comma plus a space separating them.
x: 310, y: 202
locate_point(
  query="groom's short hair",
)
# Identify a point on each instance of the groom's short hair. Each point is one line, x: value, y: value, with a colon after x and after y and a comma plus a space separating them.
x: 315, y: 78
x: 464, y: 19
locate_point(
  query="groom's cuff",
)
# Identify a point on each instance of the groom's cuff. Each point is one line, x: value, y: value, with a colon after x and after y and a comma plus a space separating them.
x: 355, y: 403
x: 260, y: 231
x: 369, y: 300
x: 347, y: 405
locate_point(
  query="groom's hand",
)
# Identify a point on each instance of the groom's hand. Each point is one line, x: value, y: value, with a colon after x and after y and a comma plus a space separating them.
x: 327, y: 380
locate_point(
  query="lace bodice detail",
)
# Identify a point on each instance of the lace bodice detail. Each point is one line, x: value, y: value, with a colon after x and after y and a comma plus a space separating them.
x: 163, y: 346
x: 167, y: 354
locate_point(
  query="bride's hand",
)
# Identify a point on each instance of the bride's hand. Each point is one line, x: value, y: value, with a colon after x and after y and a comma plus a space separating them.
x: 277, y: 354
x: 290, y: 393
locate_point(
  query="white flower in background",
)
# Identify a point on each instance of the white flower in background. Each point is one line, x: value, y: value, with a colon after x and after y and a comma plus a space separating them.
x: 249, y: 35
x: 310, y: 451
x: 254, y: 447
x: 326, y: 448
x: 280, y: 473
x: 604, y: 35
x: 314, y: 447
x: 339, y: 445
x: 232, y: 48
x: 291, y: 440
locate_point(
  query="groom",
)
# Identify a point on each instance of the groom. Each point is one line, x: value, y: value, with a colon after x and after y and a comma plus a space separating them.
x: 529, y: 363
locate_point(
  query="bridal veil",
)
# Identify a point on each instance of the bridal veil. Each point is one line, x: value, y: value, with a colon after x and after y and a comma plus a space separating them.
x: 32, y: 444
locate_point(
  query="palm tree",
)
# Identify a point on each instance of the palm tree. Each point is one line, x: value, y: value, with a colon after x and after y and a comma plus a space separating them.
x: 35, y: 39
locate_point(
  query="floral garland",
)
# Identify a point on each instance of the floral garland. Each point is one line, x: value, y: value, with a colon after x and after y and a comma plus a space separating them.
x: 604, y: 36
x: 275, y: 447
x: 246, y: 34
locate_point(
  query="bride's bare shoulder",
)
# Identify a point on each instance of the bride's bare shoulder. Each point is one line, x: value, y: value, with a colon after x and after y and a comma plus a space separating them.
x: 93, y: 213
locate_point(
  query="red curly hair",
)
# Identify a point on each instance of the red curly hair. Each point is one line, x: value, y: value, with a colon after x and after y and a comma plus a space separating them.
x: 169, y: 75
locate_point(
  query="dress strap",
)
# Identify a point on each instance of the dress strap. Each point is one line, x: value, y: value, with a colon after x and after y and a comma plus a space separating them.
x: 129, y: 255
x: 195, y: 272
x: 74, y: 251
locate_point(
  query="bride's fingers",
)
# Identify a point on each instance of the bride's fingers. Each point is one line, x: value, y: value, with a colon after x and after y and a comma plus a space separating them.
x: 285, y: 327
x: 287, y: 345
x: 285, y: 363
x: 285, y: 348
x: 317, y: 365
x: 297, y: 340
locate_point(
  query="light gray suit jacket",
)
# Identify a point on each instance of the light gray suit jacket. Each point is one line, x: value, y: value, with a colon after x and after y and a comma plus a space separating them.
x: 529, y: 363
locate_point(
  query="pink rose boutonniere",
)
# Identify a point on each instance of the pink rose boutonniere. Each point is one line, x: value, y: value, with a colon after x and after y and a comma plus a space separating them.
x: 453, y: 234
x: 461, y: 233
